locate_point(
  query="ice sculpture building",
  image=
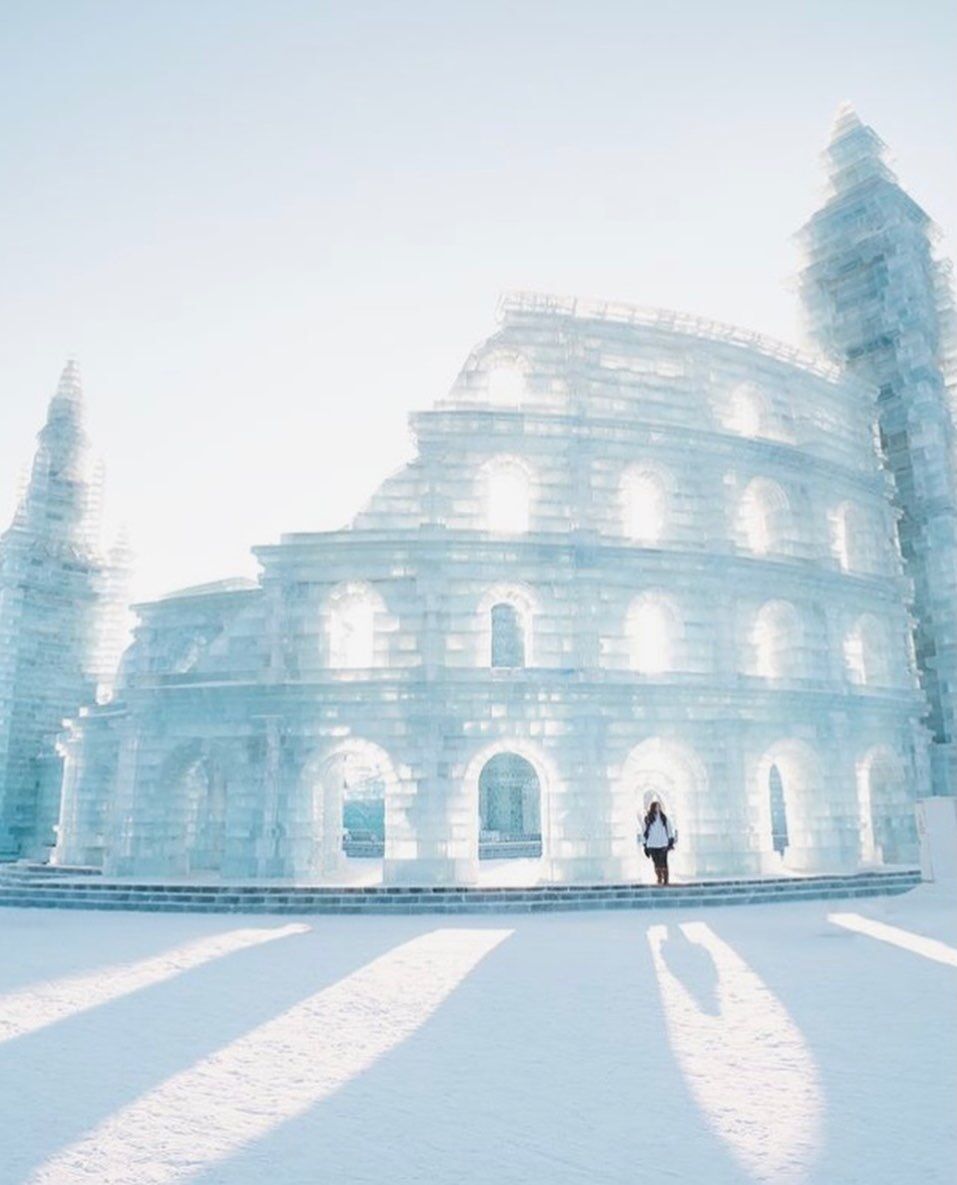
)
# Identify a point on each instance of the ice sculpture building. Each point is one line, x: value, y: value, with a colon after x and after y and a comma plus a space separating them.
x: 61, y: 609
x: 637, y: 554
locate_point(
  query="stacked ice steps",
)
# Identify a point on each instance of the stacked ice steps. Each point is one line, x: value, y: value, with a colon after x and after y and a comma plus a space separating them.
x: 81, y: 889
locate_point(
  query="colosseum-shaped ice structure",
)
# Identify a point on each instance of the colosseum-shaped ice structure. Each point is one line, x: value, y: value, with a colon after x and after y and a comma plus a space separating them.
x: 636, y: 555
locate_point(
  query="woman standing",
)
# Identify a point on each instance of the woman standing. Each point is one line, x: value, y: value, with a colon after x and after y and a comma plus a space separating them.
x: 659, y: 838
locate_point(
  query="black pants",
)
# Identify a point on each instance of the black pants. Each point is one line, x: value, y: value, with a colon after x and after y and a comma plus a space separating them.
x: 659, y: 857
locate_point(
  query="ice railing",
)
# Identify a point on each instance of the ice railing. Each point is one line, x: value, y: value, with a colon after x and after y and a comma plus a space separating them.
x: 622, y: 313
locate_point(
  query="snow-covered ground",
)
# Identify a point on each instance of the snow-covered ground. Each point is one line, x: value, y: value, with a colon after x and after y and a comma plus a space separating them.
x: 749, y: 1044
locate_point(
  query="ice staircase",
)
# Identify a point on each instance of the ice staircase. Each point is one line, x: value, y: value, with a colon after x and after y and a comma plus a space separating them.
x: 43, y: 887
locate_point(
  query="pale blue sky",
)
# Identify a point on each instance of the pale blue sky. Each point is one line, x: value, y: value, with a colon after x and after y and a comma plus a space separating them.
x: 270, y: 228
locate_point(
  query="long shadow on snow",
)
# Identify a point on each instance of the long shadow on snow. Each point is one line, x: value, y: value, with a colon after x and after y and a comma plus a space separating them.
x: 53, y: 943
x: 550, y: 1063
x: 78, y: 1071
x: 879, y: 1022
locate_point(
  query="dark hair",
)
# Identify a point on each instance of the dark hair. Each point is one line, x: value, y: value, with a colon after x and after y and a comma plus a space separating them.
x: 649, y: 816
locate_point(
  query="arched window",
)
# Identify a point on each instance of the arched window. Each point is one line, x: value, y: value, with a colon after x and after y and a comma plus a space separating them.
x: 853, y: 538
x: 777, y: 638
x: 351, y: 626
x: 509, y: 808
x: 791, y: 783
x: 778, y: 809
x: 652, y: 630
x: 643, y: 505
x: 508, y: 636
x: 763, y: 516
x: 506, y: 620
x: 747, y: 412
x: 505, y: 382
x: 865, y: 652
x: 507, y: 496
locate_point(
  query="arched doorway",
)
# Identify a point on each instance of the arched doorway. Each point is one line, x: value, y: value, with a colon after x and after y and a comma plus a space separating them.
x: 189, y: 835
x: 510, y: 808
x: 671, y: 773
x: 886, y: 804
x: 348, y: 790
x: 204, y: 791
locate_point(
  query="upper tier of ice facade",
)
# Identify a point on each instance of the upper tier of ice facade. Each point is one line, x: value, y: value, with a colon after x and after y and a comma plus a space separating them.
x: 635, y: 555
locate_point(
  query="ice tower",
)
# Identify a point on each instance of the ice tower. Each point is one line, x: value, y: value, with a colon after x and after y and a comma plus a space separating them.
x: 877, y: 299
x: 56, y: 597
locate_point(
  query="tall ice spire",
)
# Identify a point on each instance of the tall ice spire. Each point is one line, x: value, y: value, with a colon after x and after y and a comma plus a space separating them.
x: 876, y: 298
x: 58, y: 498
x: 53, y: 585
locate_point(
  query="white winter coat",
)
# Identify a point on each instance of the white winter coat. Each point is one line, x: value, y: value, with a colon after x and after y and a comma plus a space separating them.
x: 659, y: 834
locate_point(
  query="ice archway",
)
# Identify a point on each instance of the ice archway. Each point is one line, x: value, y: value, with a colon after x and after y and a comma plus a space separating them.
x: 510, y: 806
x: 800, y: 784
x: 329, y: 780
x: 888, y: 827
x: 673, y: 774
x: 535, y: 791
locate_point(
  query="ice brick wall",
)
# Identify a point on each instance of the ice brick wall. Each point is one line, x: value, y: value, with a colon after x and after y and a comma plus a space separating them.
x: 690, y: 531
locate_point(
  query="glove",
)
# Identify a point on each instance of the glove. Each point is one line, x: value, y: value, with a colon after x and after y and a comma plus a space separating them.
x: 645, y: 850
x: 671, y: 845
